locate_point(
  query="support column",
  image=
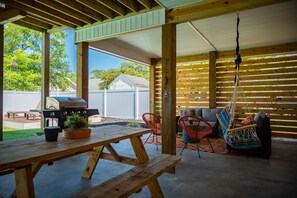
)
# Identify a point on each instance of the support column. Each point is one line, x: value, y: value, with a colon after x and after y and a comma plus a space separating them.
x: 1, y: 78
x: 212, y: 80
x: 153, y: 86
x: 82, y: 71
x: 169, y: 89
x: 45, y: 71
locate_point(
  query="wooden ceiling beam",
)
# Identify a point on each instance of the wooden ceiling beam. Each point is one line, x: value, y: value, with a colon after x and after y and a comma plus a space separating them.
x: 63, y: 9
x: 52, y: 12
x: 81, y: 9
x: 57, y: 29
x: 130, y: 4
x: 207, y: 9
x: 11, y: 15
x: 43, y: 20
x: 93, y: 4
x: 37, y: 13
x: 30, y: 26
x: 146, y: 3
x: 113, y: 6
x: 37, y: 23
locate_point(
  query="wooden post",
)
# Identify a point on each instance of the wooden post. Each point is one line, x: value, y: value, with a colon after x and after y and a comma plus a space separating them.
x: 1, y: 78
x: 212, y: 80
x: 82, y: 71
x: 169, y: 89
x: 153, y: 86
x: 45, y: 71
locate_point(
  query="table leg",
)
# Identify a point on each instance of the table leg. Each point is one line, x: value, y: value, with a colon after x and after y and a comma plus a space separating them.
x: 155, y: 189
x: 139, y: 149
x: 24, y: 182
x: 92, y: 162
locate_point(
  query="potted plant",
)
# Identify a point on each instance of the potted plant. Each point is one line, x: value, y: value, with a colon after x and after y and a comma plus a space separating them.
x: 77, y: 127
x: 51, y: 133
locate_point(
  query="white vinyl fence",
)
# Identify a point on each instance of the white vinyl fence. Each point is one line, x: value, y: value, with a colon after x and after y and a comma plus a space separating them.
x: 127, y: 104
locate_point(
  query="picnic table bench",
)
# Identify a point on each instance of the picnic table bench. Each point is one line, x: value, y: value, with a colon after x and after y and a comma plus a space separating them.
x: 14, y: 113
x: 135, y: 179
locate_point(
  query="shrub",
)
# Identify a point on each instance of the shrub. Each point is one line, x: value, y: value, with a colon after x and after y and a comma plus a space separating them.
x: 76, y: 122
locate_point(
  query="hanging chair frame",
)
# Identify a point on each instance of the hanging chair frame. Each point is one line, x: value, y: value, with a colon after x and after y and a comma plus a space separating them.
x: 243, y: 137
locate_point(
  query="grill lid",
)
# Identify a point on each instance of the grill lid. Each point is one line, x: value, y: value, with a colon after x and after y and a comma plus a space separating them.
x: 65, y: 102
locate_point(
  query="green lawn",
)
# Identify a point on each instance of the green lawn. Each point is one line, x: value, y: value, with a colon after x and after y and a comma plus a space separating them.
x: 13, y: 133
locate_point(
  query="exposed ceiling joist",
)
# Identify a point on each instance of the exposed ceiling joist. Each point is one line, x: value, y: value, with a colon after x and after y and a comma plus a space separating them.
x: 81, y: 9
x: 37, y: 23
x: 60, y: 14
x: 146, y: 3
x: 207, y: 9
x: 11, y: 15
x: 113, y: 6
x: 52, y: 12
x: 61, y: 8
x: 130, y: 4
x: 37, y: 13
x: 93, y: 4
x: 48, y: 21
x: 30, y: 26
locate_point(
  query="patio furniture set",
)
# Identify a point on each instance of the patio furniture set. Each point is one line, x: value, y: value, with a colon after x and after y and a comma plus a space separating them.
x: 35, y: 152
x: 196, y: 124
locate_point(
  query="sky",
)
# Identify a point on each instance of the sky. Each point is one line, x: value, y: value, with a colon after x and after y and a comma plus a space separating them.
x: 97, y: 60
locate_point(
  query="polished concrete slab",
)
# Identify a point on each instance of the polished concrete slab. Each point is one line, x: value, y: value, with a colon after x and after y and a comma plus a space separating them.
x: 212, y: 175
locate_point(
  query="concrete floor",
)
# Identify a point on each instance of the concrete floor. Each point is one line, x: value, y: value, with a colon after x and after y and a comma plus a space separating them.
x: 212, y: 175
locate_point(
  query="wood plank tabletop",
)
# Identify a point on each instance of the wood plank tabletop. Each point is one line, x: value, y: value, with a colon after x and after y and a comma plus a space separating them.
x: 20, y: 152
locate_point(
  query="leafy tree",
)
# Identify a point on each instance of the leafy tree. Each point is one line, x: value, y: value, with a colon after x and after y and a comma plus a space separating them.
x: 22, y: 59
x: 127, y: 67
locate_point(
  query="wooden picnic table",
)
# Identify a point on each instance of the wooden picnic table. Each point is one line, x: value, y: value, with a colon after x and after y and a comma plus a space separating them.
x: 26, y: 156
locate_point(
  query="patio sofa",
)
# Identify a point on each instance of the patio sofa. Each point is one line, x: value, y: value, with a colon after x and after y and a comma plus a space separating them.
x: 208, y: 114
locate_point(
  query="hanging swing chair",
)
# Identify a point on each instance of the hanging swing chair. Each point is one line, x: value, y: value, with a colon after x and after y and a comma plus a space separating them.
x: 236, y: 136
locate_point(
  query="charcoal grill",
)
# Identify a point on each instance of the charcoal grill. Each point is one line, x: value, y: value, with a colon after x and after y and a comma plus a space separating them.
x: 61, y: 107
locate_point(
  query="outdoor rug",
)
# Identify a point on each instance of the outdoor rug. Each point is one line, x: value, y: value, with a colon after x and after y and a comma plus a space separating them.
x: 218, y: 144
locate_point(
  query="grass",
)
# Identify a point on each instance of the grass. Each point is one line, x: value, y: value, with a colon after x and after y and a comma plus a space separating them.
x: 13, y: 133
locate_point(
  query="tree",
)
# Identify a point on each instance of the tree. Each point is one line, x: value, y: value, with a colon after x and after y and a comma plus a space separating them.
x: 22, y: 59
x: 127, y: 67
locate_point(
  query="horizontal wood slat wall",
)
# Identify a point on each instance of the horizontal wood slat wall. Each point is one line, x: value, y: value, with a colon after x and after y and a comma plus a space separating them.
x: 192, y: 82
x: 268, y: 77
x: 268, y: 82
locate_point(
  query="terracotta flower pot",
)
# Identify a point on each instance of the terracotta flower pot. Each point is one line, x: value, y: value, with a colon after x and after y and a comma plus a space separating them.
x: 76, y: 134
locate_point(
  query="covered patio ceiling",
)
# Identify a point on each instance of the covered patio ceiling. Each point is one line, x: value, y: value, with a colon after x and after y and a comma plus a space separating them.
x: 264, y: 26
x: 56, y: 15
x: 215, y: 31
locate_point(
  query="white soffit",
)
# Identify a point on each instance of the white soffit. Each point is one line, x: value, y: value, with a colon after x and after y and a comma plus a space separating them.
x: 264, y: 26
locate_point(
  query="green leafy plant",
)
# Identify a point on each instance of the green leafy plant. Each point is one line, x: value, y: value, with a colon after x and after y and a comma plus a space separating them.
x: 76, y: 122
